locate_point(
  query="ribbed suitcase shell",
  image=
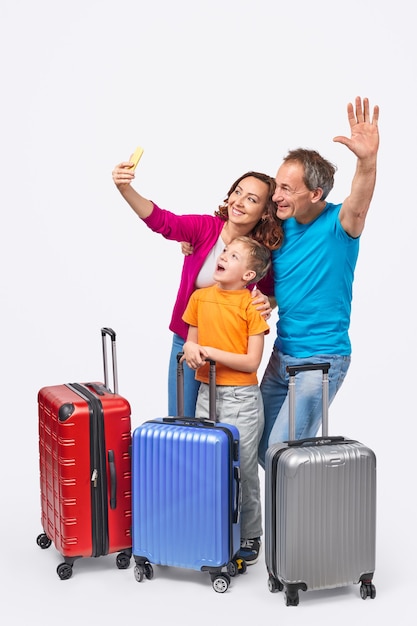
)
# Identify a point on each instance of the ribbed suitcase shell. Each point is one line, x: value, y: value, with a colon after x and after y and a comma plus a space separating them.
x: 80, y: 522
x: 320, y: 510
x: 185, y: 485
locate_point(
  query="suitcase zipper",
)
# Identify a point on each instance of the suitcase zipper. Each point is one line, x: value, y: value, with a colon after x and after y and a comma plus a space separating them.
x: 98, y: 477
x: 273, y: 520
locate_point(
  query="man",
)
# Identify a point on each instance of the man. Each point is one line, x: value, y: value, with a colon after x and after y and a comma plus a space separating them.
x: 313, y: 275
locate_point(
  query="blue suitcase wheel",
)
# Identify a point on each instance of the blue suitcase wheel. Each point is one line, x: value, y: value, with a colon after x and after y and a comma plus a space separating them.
x: 148, y: 570
x: 237, y: 566
x: 241, y: 566
x: 221, y: 583
x: 139, y: 573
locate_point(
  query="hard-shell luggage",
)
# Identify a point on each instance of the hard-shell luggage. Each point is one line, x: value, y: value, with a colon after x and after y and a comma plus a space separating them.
x: 186, y: 495
x: 85, y: 469
x: 320, y: 509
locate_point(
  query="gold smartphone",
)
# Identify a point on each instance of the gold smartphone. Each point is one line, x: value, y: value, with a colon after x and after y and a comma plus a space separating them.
x: 135, y: 158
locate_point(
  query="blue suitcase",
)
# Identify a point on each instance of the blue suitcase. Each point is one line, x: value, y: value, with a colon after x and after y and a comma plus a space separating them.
x: 186, y: 495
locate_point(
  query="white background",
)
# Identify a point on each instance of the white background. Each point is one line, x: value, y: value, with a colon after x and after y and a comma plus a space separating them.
x: 210, y: 89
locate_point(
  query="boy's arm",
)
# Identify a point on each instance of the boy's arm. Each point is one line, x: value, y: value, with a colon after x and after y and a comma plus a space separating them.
x: 241, y: 362
x: 194, y: 354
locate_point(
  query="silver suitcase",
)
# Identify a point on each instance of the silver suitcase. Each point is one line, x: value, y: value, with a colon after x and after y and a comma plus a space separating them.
x: 320, y: 509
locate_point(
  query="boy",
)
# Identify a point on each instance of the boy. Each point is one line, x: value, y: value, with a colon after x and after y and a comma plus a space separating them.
x: 226, y: 328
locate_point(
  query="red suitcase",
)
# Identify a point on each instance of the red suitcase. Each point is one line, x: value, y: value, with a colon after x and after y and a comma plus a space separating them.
x: 85, y: 469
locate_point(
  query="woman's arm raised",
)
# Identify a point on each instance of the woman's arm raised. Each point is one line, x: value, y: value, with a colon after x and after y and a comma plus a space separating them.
x: 123, y: 174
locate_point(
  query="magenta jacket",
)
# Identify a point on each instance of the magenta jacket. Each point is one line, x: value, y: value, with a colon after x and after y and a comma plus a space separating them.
x: 202, y: 231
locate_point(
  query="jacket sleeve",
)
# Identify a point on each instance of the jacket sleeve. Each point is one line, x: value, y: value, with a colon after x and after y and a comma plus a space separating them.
x: 190, y: 228
x: 266, y: 285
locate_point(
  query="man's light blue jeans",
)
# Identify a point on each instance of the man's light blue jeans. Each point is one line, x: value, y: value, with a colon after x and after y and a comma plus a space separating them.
x: 274, y: 388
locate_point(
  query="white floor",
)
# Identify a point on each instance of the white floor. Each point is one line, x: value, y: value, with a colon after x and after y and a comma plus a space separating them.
x: 98, y: 592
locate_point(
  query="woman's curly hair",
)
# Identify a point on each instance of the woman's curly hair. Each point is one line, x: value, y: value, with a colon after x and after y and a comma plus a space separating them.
x: 268, y: 231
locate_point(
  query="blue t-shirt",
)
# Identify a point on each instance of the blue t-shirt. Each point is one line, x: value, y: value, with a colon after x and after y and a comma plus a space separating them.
x: 314, y: 270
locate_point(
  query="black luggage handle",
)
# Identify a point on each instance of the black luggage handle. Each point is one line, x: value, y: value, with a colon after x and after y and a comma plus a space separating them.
x: 180, y: 393
x: 292, y: 371
x: 104, y: 333
x: 305, y: 367
x: 316, y: 441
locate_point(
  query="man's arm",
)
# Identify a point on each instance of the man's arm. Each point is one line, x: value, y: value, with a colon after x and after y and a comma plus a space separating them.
x: 364, y: 143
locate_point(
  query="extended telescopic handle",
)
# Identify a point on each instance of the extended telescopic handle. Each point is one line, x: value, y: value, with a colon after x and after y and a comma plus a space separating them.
x: 109, y: 332
x: 292, y: 371
x: 180, y: 388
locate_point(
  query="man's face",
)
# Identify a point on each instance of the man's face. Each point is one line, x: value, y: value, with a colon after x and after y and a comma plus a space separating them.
x: 292, y: 197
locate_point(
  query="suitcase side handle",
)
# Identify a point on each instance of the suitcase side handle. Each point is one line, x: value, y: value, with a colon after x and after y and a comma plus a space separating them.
x: 113, y: 482
x: 109, y: 332
x: 212, y: 389
x: 305, y: 367
x: 238, y: 494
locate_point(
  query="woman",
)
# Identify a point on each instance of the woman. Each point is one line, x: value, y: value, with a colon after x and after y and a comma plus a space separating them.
x: 247, y: 210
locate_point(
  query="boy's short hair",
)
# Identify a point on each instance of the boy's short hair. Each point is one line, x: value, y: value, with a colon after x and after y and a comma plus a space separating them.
x: 259, y: 257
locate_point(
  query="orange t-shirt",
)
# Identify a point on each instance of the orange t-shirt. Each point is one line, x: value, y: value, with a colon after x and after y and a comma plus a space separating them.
x: 225, y: 319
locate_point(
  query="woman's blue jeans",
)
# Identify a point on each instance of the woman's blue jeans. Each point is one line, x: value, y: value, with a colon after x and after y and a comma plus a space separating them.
x: 274, y: 388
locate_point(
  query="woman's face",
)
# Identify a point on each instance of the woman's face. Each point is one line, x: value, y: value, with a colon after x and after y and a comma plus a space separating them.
x: 247, y: 203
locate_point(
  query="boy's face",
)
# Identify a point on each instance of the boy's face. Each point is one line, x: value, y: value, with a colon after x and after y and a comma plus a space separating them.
x: 232, y: 271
